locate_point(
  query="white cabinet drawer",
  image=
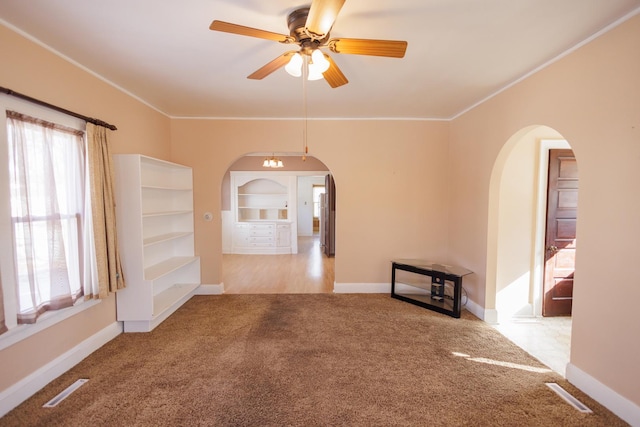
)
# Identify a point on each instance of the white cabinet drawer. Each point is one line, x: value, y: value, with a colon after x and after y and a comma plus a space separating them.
x: 261, y: 245
x: 259, y: 239
x: 262, y: 226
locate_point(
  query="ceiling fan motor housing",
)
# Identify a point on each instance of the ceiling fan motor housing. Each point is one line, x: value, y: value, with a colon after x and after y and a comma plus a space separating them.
x: 296, y: 22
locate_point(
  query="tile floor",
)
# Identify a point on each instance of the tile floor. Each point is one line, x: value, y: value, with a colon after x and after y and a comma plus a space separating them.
x: 548, y: 339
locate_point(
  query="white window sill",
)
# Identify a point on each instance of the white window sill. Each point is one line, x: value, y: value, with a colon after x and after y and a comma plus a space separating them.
x: 46, y: 320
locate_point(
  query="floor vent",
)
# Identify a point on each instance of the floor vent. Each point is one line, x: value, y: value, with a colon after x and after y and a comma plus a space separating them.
x: 65, y: 393
x: 569, y: 398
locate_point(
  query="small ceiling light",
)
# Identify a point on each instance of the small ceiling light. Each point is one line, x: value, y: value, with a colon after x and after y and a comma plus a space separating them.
x: 294, y: 67
x: 314, y: 73
x: 319, y: 61
x: 272, y: 162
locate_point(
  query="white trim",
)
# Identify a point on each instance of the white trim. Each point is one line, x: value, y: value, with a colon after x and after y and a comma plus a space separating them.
x: 210, y: 289
x: 477, y: 310
x: 616, y: 403
x: 361, y: 288
x: 28, y: 386
x: 47, y: 320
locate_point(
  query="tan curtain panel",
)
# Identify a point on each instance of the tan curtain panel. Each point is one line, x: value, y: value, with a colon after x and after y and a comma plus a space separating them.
x: 110, y: 277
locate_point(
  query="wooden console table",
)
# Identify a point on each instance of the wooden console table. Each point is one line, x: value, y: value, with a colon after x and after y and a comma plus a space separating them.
x: 427, y: 284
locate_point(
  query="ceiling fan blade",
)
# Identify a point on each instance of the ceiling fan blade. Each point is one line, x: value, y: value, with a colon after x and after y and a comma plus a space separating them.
x: 272, y: 66
x: 228, y: 27
x: 388, y: 48
x: 333, y: 75
x: 322, y: 15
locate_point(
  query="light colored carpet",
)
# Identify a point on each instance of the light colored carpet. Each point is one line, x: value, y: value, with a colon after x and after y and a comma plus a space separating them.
x: 310, y: 360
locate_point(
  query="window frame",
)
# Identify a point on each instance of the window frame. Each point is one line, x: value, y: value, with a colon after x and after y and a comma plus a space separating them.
x: 15, y: 331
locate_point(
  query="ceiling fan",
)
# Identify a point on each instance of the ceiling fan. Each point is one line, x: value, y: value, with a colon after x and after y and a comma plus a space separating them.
x: 309, y: 28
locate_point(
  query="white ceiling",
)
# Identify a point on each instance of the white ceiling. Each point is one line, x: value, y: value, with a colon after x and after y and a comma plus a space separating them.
x: 459, y: 51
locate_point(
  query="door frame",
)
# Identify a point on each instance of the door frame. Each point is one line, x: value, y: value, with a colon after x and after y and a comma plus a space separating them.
x: 541, y: 219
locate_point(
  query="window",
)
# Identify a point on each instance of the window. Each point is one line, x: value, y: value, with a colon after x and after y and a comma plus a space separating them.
x: 43, y: 212
x: 46, y: 171
x: 318, y: 190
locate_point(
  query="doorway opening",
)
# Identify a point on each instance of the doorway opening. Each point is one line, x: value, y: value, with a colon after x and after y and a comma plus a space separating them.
x: 254, y: 261
x: 560, y: 234
x: 319, y: 194
x: 516, y: 252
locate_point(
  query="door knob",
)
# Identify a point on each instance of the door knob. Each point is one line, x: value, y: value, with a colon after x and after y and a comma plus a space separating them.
x: 552, y: 248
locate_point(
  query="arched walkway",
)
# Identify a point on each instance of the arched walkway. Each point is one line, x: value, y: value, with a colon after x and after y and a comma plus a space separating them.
x: 515, y: 251
x: 308, y: 269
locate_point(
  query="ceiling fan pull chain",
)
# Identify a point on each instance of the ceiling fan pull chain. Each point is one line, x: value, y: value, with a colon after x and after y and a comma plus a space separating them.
x: 305, y: 72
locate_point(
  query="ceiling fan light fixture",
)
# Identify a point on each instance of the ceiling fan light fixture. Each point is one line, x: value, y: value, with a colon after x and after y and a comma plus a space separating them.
x: 294, y: 67
x: 319, y: 61
x: 315, y: 72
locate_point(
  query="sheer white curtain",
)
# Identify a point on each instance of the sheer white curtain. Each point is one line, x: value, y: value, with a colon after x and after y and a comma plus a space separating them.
x: 48, y: 179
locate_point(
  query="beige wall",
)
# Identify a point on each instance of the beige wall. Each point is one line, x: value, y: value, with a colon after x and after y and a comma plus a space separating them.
x: 592, y: 98
x: 391, y: 185
x: 29, y: 69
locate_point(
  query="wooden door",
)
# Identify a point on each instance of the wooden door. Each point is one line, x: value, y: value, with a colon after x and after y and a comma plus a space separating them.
x: 330, y: 216
x: 560, y: 242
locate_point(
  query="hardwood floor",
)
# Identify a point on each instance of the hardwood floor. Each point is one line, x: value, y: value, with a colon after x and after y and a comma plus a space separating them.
x: 307, y: 272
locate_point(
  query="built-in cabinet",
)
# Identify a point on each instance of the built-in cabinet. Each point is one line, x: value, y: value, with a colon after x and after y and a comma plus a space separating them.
x: 154, y: 208
x: 263, y: 206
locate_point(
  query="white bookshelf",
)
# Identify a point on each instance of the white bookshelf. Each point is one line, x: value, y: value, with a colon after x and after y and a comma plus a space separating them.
x: 154, y: 207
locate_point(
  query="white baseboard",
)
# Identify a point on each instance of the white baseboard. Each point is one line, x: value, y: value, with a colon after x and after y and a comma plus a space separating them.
x: 619, y: 405
x: 477, y: 310
x: 490, y: 315
x: 28, y: 386
x: 361, y: 288
x: 210, y: 290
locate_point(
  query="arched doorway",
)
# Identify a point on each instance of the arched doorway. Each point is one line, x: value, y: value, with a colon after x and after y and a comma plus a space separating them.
x: 257, y: 269
x: 516, y: 245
